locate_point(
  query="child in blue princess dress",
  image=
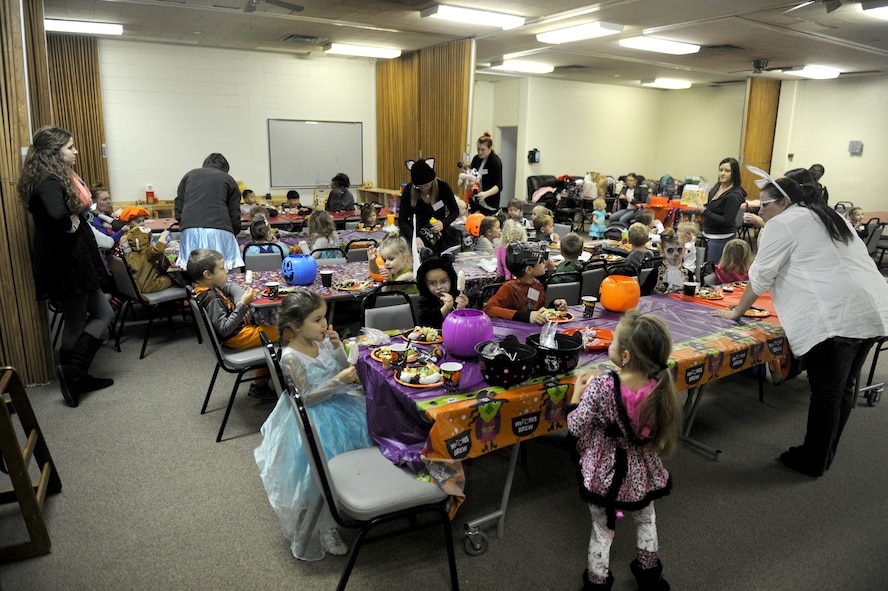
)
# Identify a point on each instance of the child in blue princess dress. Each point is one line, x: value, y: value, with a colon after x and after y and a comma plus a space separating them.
x: 315, y: 358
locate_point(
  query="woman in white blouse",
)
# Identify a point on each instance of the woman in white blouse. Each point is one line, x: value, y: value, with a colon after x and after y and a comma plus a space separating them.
x: 832, y: 302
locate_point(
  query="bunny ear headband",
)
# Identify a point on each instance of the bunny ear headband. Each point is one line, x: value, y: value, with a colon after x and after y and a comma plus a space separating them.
x: 765, y: 179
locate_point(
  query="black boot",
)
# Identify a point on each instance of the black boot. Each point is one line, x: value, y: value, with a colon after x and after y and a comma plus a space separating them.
x: 605, y: 586
x: 649, y: 579
x: 72, y: 371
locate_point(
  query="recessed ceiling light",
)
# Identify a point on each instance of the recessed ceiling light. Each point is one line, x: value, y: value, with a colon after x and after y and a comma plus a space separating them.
x: 470, y: 16
x: 815, y: 72
x: 85, y: 27
x: 667, y: 83
x: 361, y: 50
x: 659, y: 45
x: 524, y: 66
x: 579, y: 32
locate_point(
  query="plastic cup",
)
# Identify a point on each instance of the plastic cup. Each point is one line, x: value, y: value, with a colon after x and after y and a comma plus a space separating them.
x: 327, y: 278
x: 273, y: 288
x: 451, y: 371
x: 399, y: 352
x: 589, y: 306
x: 690, y: 288
x: 391, y: 219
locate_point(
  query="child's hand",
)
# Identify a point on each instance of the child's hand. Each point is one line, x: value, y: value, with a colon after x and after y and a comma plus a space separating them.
x: 446, y: 301
x: 163, y: 236
x: 550, y: 264
x: 538, y: 317
x: 248, y: 296
x: 462, y: 301
x: 349, y: 375
x: 579, y: 386
x: 560, y: 305
x: 333, y: 336
x: 371, y: 253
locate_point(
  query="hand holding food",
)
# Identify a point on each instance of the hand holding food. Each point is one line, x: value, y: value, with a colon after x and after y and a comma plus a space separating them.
x: 333, y: 336
x: 462, y: 301
x: 248, y: 296
x: 560, y: 305
x: 538, y: 316
x: 349, y: 375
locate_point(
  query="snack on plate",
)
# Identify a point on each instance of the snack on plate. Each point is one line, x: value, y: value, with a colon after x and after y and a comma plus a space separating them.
x: 729, y: 288
x: 740, y: 284
x: 710, y: 294
x: 424, y: 334
x: 351, y: 284
x: 556, y: 315
x: 424, y: 375
x: 385, y: 353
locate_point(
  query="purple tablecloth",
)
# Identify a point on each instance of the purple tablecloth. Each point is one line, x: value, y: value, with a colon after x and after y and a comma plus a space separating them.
x: 400, y: 428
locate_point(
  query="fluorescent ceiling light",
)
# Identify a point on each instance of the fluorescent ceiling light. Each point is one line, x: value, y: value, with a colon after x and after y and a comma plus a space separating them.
x: 470, y: 16
x: 667, y: 83
x: 85, y: 27
x: 523, y: 66
x: 361, y: 50
x: 876, y: 8
x: 815, y: 72
x: 659, y: 45
x: 579, y: 32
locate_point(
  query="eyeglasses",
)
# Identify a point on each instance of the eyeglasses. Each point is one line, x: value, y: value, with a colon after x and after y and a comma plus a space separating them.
x: 764, y: 204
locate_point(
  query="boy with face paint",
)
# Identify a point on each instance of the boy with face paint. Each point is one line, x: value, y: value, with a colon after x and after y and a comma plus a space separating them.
x: 671, y: 275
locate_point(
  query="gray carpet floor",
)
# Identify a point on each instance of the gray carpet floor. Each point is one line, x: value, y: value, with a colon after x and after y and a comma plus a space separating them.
x: 150, y: 500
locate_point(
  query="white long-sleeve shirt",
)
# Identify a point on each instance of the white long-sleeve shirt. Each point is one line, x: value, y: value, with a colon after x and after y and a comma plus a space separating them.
x: 820, y: 288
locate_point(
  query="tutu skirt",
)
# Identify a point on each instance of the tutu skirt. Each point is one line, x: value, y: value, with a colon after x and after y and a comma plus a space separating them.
x: 219, y: 240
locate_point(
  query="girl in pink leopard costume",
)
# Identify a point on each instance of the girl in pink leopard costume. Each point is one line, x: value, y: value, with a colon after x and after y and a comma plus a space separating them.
x: 623, y: 424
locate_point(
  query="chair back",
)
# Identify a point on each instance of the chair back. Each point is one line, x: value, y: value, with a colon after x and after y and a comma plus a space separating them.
x: 387, y: 310
x: 592, y: 278
x: 273, y: 360
x: 562, y: 230
x: 317, y: 459
x: 873, y: 235
x: 488, y: 292
x: 351, y: 222
x: 614, y: 233
x: 330, y: 256
x: 124, y: 282
x: 843, y: 206
x: 356, y: 255
x: 264, y: 261
x: 701, y: 260
x: 569, y: 290
x: 208, y: 333
x: 360, y: 243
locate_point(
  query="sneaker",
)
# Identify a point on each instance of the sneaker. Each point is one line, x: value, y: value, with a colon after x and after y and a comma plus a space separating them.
x: 332, y: 543
x: 262, y: 392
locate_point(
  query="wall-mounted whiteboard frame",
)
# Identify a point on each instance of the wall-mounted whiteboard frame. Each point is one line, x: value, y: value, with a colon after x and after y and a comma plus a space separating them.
x: 308, y: 153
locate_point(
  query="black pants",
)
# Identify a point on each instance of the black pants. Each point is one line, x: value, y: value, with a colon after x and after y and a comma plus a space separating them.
x: 832, y: 368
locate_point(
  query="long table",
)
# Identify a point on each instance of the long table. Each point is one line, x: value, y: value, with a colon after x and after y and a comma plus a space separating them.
x: 428, y: 428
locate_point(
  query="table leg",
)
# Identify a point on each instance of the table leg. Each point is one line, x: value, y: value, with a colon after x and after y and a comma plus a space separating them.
x: 690, y: 413
x: 500, y: 514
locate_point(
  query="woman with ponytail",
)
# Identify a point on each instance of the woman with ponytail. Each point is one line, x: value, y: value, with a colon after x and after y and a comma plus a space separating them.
x: 831, y: 299
x: 68, y: 267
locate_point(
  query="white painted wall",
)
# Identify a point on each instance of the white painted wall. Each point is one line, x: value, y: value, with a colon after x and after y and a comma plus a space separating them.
x: 166, y: 107
x: 816, y: 121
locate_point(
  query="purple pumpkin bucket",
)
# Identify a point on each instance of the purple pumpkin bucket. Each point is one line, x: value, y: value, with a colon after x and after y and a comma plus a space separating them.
x: 463, y: 329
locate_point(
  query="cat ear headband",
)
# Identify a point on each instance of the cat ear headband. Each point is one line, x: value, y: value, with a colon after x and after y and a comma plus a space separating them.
x: 765, y: 179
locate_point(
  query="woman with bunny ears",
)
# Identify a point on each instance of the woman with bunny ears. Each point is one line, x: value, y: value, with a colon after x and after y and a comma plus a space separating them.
x: 428, y: 207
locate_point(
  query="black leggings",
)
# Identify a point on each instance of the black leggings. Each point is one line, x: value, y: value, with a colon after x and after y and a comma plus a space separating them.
x: 84, y: 313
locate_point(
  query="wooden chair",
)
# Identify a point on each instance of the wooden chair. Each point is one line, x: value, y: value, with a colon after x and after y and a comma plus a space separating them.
x: 236, y: 361
x: 30, y: 496
x: 172, y: 298
x: 363, y: 490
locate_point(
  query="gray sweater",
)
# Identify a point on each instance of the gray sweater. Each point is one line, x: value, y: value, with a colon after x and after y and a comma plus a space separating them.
x: 208, y: 198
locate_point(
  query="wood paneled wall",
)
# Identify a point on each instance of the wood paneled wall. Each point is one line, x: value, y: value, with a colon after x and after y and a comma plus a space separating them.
x: 24, y: 340
x: 762, y: 100
x: 76, y: 91
x: 422, y: 105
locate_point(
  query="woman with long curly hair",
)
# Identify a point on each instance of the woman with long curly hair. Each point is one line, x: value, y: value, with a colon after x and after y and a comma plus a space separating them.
x: 68, y: 267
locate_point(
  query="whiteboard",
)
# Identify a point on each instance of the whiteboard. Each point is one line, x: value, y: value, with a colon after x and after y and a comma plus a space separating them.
x: 310, y: 153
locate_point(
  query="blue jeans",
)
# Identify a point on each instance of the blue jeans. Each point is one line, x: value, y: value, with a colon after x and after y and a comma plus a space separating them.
x: 832, y: 367
x: 715, y: 248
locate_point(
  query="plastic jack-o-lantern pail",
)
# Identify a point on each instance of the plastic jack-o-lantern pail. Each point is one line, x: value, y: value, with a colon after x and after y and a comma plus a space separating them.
x: 463, y: 329
x: 299, y: 269
x: 619, y: 293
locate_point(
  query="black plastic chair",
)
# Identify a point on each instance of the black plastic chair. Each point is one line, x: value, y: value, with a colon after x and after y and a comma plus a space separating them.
x: 273, y: 360
x: 363, y: 490
x: 570, y: 290
x: 236, y: 361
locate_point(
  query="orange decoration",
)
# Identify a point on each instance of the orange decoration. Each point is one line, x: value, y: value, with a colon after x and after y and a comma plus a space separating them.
x: 473, y: 224
x: 619, y: 293
x: 380, y: 264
